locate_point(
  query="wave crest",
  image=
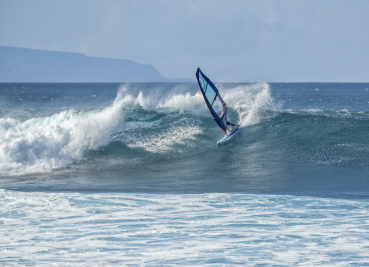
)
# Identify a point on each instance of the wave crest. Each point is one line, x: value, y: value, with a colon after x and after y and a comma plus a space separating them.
x: 40, y: 144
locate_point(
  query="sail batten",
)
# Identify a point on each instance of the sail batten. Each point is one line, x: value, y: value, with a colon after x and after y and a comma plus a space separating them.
x: 217, y: 107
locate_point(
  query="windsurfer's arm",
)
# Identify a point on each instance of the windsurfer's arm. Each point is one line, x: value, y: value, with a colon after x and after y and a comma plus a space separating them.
x: 231, y: 124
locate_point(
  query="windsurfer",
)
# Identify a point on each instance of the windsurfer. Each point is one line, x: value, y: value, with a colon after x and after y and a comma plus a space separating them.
x: 228, y: 123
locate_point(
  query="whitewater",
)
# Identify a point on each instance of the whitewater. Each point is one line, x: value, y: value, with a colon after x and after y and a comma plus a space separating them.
x: 52, y: 142
x: 130, y: 174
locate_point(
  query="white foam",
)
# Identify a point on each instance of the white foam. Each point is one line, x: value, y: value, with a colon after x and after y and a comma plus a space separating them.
x: 163, y: 142
x: 43, y: 229
x: 42, y: 144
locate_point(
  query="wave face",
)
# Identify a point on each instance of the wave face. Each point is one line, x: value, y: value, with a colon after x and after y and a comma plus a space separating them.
x: 298, y: 137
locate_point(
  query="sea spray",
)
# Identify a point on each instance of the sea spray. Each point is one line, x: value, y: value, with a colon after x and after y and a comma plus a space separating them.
x: 187, y: 102
x: 249, y: 101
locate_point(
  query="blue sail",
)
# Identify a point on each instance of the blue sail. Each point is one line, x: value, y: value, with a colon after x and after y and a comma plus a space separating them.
x: 213, y: 99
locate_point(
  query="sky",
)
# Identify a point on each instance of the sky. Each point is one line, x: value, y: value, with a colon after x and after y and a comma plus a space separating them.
x: 230, y: 40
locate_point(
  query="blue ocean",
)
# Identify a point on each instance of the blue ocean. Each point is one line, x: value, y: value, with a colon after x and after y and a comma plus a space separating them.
x: 131, y: 175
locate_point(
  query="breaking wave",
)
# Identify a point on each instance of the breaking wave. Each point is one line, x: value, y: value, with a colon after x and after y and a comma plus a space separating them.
x: 148, y: 125
x: 154, y: 124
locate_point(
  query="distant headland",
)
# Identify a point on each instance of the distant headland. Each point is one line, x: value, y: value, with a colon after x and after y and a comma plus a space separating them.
x: 31, y: 65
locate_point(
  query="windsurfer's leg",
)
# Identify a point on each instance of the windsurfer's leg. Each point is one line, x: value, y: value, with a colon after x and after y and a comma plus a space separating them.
x: 224, y: 131
x: 231, y: 124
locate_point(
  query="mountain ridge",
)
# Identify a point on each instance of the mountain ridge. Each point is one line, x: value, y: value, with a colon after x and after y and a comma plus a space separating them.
x: 34, y: 65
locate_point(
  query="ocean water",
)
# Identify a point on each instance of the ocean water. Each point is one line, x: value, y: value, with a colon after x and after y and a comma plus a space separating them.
x: 130, y: 174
